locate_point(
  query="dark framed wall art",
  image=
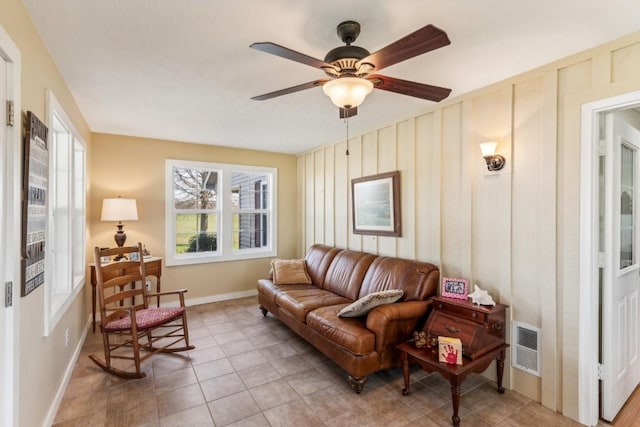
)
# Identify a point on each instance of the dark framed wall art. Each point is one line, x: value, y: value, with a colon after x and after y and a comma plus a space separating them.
x: 35, y: 188
x: 376, y: 204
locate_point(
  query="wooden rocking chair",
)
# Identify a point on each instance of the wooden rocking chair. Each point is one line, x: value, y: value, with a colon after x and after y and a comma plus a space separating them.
x: 128, y: 325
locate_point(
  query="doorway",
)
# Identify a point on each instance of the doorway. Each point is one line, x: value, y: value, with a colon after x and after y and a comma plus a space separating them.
x: 10, y: 185
x: 619, y: 279
x: 609, y: 256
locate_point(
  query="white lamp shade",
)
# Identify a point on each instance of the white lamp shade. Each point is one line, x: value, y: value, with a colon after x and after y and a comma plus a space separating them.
x: 347, y: 92
x: 119, y: 209
x: 488, y: 148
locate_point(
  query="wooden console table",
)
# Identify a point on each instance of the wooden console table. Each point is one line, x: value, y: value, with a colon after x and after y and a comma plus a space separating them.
x: 481, y: 330
x: 456, y: 374
x: 153, y: 267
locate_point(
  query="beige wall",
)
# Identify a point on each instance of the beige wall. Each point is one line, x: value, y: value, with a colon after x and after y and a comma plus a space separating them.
x: 514, y: 233
x: 135, y: 167
x: 41, y: 361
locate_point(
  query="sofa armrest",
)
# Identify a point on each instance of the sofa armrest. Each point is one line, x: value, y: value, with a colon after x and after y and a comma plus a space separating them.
x: 393, y: 323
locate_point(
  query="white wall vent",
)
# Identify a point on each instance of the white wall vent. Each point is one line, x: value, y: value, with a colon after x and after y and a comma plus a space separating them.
x: 525, y: 348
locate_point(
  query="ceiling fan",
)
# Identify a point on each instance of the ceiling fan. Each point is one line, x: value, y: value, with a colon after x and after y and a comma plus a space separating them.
x: 351, y: 68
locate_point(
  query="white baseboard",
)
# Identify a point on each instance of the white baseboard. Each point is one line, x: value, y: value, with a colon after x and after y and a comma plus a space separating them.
x: 55, y: 405
x: 206, y: 300
x: 221, y: 297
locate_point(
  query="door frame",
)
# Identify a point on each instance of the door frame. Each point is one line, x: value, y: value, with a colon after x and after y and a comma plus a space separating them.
x: 589, y: 300
x: 9, y: 369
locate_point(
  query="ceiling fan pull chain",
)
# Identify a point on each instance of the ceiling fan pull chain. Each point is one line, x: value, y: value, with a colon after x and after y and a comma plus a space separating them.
x: 346, y: 119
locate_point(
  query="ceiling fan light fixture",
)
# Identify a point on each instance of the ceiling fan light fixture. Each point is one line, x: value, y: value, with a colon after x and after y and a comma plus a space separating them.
x: 347, y: 92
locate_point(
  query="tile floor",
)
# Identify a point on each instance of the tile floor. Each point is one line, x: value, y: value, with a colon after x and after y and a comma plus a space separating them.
x: 248, y: 370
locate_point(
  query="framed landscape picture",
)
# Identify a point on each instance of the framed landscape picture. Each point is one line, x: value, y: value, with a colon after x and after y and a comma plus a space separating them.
x: 376, y: 204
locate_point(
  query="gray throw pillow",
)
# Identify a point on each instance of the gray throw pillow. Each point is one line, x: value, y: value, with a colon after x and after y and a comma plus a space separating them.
x: 368, y: 302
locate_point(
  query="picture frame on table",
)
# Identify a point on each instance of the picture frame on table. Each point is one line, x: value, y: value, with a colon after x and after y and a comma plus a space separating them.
x: 454, y: 288
x: 376, y: 204
x: 134, y: 256
x: 105, y: 259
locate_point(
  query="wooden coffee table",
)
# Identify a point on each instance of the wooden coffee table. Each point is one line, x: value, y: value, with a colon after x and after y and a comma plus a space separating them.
x: 456, y: 374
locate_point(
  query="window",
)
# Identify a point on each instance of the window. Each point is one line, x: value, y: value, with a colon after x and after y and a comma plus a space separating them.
x: 65, y: 266
x: 219, y: 212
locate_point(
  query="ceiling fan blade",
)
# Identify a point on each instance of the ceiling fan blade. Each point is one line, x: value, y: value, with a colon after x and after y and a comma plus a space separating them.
x: 405, y: 87
x: 288, y: 90
x: 287, y: 53
x: 421, y: 41
x: 345, y: 113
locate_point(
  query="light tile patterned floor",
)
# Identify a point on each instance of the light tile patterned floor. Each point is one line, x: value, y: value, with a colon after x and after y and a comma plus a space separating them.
x: 248, y: 370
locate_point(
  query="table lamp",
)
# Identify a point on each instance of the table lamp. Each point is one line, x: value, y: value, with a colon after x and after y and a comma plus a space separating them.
x: 119, y: 209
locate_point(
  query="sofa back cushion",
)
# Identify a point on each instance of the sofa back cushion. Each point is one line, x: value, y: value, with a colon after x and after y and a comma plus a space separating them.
x: 418, y: 280
x: 346, y: 272
x: 318, y: 259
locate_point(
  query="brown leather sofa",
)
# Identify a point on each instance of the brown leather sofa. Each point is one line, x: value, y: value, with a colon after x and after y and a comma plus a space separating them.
x: 360, y: 345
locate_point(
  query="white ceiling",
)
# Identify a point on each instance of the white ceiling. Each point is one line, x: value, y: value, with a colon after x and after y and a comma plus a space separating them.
x: 183, y: 70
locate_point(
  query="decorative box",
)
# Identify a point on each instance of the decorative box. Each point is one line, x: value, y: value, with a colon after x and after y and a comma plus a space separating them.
x: 450, y: 350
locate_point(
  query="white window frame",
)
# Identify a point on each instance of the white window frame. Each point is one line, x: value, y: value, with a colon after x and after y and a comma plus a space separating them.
x: 225, y: 212
x: 60, y: 294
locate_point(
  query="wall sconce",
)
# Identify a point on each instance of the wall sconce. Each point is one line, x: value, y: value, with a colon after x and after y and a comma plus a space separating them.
x: 495, y: 162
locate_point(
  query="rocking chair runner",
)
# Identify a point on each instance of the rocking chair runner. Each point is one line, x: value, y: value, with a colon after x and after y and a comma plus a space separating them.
x: 128, y: 325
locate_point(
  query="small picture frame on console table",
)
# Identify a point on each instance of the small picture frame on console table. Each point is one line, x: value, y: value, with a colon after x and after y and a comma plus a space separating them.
x: 105, y: 259
x: 454, y: 288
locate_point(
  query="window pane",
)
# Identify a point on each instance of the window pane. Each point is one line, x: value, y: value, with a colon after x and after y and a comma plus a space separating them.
x: 250, y: 231
x: 195, y: 188
x: 250, y: 190
x: 627, y: 211
x: 78, y: 212
x: 196, y: 233
x: 62, y: 212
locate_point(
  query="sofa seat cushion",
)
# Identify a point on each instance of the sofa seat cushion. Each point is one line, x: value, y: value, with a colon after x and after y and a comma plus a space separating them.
x: 299, y: 302
x: 349, y: 333
x: 270, y: 290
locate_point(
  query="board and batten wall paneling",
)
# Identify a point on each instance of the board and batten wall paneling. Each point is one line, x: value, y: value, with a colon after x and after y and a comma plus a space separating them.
x: 341, y: 186
x: 491, y: 115
x: 406, y: 164
x: 319, y: 195
x: 387, y: 153
x: 329, y: 196
x: 369, y: 157
x: 547, y: 278
x: 451, y: 207
x: 572, y: 80
x: 355, y: 171
x: 529, y: 213
x: 456, y: 196
x: 309, y: 199
x: 621, y: 61
x: 302, y: 206
x: 427, y: 187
